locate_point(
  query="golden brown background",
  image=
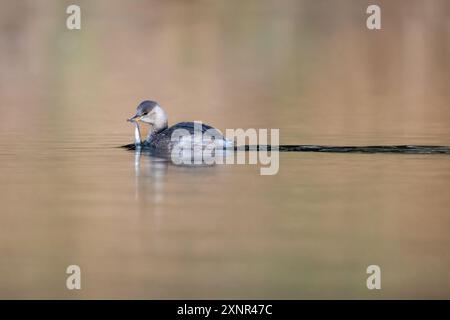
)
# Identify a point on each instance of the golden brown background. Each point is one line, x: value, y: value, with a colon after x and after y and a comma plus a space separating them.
x: 310, y: 68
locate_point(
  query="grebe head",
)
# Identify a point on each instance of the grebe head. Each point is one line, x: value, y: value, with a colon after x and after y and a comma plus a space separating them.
x: 151, y: 112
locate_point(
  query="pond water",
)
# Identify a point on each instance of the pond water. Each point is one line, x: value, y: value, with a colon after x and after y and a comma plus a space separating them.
x: 140, y: 227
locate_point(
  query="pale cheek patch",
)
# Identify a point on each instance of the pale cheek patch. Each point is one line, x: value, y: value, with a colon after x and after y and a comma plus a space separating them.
x: 146, y: 119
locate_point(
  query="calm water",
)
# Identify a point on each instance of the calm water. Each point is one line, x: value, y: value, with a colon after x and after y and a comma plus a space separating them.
x: 144, y: 228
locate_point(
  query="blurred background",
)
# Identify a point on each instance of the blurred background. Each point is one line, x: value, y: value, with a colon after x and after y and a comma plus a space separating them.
x: 143, y: 228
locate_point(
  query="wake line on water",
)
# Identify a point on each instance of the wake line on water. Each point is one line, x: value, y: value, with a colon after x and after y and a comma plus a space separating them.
x: 400, y: 149
x: 406, y: 149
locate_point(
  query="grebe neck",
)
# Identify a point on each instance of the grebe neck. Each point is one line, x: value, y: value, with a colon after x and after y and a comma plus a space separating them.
x: 158, y: 121
x: 154, y: 130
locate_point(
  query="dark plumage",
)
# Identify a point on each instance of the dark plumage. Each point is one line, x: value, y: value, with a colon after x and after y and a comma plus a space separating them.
x: 162, y: 140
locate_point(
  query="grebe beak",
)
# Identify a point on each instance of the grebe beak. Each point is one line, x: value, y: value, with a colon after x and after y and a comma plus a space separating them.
x: 134, y: 118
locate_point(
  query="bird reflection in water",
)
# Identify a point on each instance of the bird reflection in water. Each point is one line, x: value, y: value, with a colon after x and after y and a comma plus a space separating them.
x: 151, y: 170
